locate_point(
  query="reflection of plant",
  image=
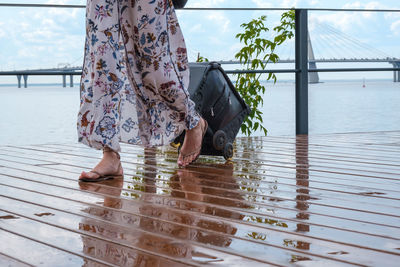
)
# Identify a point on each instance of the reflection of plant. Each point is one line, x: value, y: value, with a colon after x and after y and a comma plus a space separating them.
x: 255, y: 55
x: 257, y: 236
x: 131, y: 195
x: 296, y: 258
x: 289, y: 243
x: 266, y: 221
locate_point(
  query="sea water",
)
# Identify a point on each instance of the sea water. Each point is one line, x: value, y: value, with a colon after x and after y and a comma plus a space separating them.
x: 47, y: 114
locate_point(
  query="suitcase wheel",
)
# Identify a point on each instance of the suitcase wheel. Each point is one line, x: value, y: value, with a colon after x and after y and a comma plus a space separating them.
x: 219, y: 140
x: 228, y: 151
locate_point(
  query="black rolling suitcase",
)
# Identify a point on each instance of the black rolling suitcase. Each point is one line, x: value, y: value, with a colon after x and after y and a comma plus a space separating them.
x: 218, y: 102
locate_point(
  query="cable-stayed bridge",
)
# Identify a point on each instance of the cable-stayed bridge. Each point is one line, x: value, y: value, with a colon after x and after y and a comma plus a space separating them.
x: 329, y: 46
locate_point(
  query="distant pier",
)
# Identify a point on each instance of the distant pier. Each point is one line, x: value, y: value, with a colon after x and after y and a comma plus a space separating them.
x: 22, y: 76
x: 396, y: 74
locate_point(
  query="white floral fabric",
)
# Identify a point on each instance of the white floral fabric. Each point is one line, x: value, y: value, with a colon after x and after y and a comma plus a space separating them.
x: 135, y: 75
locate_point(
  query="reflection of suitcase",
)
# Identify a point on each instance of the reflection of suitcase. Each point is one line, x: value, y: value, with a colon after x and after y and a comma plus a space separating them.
x: 220, y: 104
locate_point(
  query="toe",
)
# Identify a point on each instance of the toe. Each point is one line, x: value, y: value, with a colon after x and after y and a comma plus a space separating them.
x: 89, y: 175
x: 180, y: 161
x: 189, y: 160
x: 83, y: 175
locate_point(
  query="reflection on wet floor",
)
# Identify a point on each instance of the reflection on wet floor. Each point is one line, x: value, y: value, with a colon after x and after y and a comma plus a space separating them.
x: 281, y: 201
x: 162, y: 230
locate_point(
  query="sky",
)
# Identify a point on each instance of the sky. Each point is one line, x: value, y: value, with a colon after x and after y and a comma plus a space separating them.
x: 32, y: 38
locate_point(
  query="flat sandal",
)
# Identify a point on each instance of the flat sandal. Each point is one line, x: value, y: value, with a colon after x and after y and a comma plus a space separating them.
x: 104, y: 177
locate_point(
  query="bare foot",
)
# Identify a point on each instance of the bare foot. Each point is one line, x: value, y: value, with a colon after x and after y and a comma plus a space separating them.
x: 192, y: 144
x: 110, y: 164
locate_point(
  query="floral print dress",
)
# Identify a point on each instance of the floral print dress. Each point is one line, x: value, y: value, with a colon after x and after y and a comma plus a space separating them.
x: 135, y: 75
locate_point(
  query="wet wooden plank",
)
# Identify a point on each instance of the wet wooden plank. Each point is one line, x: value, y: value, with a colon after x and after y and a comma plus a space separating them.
x: 8, y: 261
x: 326, y: 199
x: 130, y: 205
x: 131, y: 189
x: 322, y: 183
x: 284, y: 166
x: 142, y: 236
x: 141, y: 223
x: 39, y: 254
x: 372, y: 201
x: 281, y: 174
x: 281, y: 194
x: 261, y: 205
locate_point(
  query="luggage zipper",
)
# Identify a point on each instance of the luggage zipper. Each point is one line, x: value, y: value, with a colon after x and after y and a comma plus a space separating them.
x: 229, y: 100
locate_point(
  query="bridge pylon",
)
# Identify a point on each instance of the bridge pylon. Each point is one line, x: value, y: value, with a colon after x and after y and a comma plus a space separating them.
x: 313, y: 77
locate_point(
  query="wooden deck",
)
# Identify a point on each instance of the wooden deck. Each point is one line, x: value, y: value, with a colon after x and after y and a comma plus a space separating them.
x: 325, y: 200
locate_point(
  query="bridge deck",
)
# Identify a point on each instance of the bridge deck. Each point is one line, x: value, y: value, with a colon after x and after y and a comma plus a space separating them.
x: 326, y: 199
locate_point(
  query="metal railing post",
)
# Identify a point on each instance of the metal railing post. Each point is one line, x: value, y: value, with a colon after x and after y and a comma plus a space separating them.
x: 301, y: 35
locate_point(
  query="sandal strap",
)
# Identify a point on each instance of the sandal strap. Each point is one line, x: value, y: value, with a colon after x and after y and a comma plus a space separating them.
x: 95, y: 172
x: 107, y: 149
x: 102, y: 175
x: 194, y: 152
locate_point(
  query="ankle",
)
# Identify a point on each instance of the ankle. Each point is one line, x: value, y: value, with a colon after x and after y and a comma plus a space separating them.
x: 198, y: 126
x: 108, y: 152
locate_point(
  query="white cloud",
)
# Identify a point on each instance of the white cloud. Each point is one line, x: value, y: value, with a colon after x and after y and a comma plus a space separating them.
x: 284, y: 3
x: 392, y: 15
x: 64, y: 14
x: 369, y: 5
x: 24, y: 25
x: 234, y: 49
x: 220, y: 20
x: 197, y: 28
x: 2, y: 32
x: 205, y: 3
x: 395, y: 27
x: 42, y: 37
x: 343, y: 21
x: 262, y: 3
x: 290, y: 3
x: 346, y: 21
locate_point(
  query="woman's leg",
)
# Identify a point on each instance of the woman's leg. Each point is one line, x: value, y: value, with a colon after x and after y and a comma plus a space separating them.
x: 136, y: 90
x: 102, y: 86
x: 159, y: 74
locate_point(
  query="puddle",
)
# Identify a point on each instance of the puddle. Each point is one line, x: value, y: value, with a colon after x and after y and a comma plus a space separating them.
x: 44, y: 214
x: 275, y: 199
x: 204, y: 258
x: 297, y: 258
x: 8, y: 217
x: 46, y: 164
x: 338, y: 253
x: 371, y: 193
